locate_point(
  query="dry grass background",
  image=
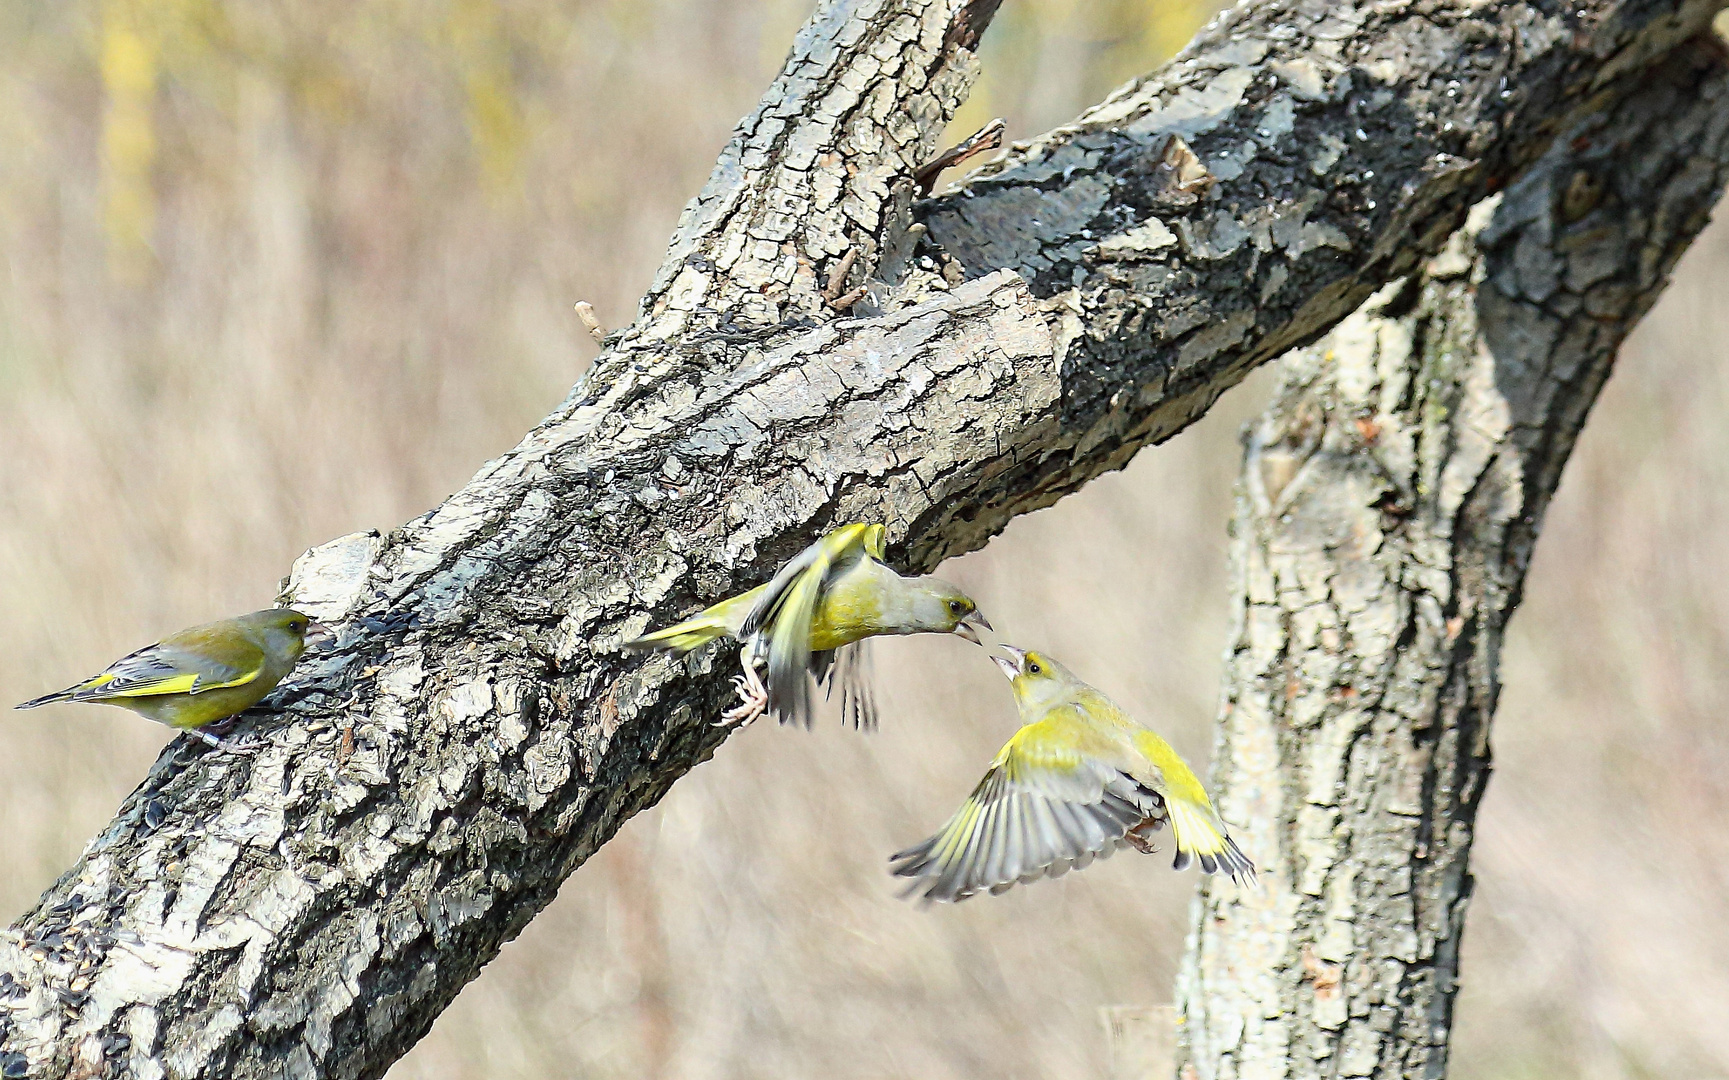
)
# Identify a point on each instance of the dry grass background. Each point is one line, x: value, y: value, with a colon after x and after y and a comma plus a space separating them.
x: 278, y: 271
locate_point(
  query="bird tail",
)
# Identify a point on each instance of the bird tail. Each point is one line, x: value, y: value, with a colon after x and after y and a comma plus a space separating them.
x: 687, y: 635
x: 1201, y: 837
x: 46, y: 699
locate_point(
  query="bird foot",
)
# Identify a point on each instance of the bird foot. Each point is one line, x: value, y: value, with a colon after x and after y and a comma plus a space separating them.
x: 753, y: 701
x: 1141, y: 839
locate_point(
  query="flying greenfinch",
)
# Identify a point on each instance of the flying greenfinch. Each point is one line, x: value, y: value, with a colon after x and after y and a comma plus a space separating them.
x: 202, y: 675
x: 1079, y: 780
x: 812, y: 620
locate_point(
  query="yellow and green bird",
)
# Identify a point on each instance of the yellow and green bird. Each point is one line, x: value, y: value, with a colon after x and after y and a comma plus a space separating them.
x: 836, y: 593
x: 199, y: 676
x: 1078, y: 781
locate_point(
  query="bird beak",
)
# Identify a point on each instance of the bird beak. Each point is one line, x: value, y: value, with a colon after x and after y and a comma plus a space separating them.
x: 319, y: 635
x: 970, y: 626
x: 1014, y: 663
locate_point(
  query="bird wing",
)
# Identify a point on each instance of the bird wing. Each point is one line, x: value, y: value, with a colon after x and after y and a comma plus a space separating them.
x: 850, y: 668
x: 789, y: 650
x: 787, y: 607
x: 838, y: 547
x: 875, y: 542
x: 172, y: 667
x: 1045, y: 806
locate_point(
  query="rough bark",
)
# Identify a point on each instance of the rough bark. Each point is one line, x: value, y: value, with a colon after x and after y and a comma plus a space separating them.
x: 1341, y: 143
x: 477, y: 733
x: 1390, y: 499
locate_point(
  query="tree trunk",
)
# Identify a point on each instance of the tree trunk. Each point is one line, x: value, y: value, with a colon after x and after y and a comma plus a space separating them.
x: 1390, y: 499
x: 477, y: 733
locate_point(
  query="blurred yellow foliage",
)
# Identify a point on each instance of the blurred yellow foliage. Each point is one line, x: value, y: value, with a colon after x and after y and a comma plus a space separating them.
x: 129, y: 70
x: 1041, y: 56
x: 323, y: 53
x: 480, y: 52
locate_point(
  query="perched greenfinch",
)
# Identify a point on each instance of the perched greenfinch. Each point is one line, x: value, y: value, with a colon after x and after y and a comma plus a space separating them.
x: 835, y: 594
x: 201, y: 675
x: 1078, y: 781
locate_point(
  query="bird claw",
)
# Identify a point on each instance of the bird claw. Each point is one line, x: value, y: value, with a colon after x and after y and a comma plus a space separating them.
x: 1140, y: 837
x: 753, y: 702
x: 1141, y: 844
x: 752, y: 706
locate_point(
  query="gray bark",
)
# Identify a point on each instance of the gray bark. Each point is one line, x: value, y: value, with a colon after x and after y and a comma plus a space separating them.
x: 478, y: 733
x: 1389, y: 502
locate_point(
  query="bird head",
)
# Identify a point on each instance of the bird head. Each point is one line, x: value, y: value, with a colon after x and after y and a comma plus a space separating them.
x: 944, y: 609
x: 1037, y: 679
x: 283, y: 630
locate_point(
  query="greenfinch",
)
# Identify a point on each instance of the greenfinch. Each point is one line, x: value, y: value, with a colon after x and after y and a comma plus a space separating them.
x: 1079, y: 780
x: 835, y: 594
x: 202, y: 675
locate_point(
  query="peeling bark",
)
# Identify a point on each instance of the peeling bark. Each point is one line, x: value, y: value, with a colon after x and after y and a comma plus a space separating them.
x: 477, y: 733
x: 1390, y: 499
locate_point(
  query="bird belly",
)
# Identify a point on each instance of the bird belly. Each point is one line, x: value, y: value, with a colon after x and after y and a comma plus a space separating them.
x: 838, y: 624
x: 825, y: 638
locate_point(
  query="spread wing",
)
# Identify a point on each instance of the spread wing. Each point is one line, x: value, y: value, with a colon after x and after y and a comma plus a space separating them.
x: 850, y: 669
x: 1043, y: 808
x: 787, y: 607
x: 171, y: 668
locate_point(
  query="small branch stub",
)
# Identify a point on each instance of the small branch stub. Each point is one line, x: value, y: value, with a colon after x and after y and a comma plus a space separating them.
x: 837, y: 280
x: 585, y: 312
x: 989, y: 137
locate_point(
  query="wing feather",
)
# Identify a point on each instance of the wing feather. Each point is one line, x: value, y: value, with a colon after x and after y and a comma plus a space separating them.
x: 851, y: 671
x: 835, y: 547
x: 789, y: 652
x: 1027, y: 868
x: 996, y: 847
x: 166, y: 668
x: 1039, y: 811
x: 786, y: 609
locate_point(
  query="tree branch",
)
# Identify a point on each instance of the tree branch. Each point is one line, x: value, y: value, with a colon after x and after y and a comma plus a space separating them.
x: 310, y: 912
x: 1341, y: 143
x: 1390, y: 499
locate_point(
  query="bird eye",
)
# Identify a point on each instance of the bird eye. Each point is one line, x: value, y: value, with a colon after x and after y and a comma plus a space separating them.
x: 955, y: 606
x: 1033, y: 668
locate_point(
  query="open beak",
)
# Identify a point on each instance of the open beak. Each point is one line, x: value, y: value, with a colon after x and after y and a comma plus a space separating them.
x: 1012, y: 664
x: 970, y: 626
x: 319, y: 635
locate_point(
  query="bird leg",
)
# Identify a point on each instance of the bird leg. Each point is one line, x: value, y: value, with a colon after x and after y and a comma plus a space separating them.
x: 227, y: 746
x: 1141, y: 836
x: 221, y: 727
x: 753, y: 695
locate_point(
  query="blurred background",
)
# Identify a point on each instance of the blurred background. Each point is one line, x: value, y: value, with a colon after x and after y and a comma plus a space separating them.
x: 277, y: 271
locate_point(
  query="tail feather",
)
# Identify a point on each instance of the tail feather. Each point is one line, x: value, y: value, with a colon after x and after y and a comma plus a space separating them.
x: 1200, y: 839
x: 46, y: 699
x: 711, y: 624
x: 685, y: 636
